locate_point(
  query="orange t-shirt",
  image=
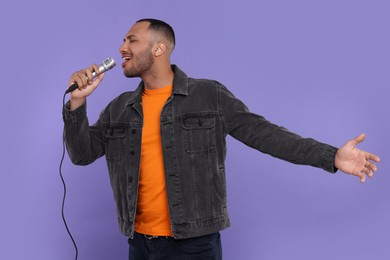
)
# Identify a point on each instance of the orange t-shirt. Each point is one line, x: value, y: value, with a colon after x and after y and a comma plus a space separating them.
x: 152, y: 209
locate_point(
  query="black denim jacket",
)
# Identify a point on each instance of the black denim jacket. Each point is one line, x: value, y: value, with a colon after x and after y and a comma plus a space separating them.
x: 194, y: 123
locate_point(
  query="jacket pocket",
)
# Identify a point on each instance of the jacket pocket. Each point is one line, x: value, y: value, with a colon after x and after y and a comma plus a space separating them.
x: 116, y: 140
x: 198, y: 133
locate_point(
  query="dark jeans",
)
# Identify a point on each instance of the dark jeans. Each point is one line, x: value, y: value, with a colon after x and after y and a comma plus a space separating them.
x: 167, y: 248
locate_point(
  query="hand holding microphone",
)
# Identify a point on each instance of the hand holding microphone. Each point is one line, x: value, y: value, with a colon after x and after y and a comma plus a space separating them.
x: 82, y: 82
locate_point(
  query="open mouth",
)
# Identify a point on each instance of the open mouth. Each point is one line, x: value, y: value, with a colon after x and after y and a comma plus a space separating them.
x: 125, y: 59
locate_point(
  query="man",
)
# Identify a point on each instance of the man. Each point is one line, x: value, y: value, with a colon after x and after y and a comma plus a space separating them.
x: 165, y: 148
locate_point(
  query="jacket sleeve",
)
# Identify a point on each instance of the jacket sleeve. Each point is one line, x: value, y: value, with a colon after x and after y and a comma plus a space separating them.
x: 260, y: 134
x: 84, y: 143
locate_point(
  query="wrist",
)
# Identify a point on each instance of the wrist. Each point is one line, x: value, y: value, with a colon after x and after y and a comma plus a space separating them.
x: 76, y: 103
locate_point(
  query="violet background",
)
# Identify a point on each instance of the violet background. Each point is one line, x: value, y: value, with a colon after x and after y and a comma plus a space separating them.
x: 319, y: 68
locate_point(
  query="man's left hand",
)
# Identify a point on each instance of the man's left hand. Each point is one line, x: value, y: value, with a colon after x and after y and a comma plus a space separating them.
x: 351, y: 160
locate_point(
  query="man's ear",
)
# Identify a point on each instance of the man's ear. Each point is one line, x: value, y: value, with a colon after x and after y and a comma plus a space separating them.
x: 159, y: 49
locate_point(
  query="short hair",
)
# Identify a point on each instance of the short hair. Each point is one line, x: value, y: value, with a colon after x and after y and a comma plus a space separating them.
x: 162, y: 27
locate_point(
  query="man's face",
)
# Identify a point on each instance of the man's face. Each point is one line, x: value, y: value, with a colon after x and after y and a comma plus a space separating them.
x: 136, y: 51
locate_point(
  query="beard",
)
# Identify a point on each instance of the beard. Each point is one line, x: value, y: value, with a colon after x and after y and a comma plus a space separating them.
x: 142, y: 64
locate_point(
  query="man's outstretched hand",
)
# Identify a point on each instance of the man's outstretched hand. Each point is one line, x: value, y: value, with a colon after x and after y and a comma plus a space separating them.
x: 351, y: 160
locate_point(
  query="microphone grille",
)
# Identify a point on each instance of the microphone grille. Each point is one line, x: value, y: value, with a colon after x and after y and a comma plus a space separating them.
x: 108, y: 63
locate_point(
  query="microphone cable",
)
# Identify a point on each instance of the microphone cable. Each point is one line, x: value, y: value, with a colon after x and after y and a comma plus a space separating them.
x: 63, y: 183
x: 106, y: 65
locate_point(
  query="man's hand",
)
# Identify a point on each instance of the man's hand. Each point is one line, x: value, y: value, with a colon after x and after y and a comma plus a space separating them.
x: 86, y: 85
x: 353, y: 161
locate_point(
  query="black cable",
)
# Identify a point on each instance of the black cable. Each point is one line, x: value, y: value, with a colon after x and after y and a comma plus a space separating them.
x: 63, y: 182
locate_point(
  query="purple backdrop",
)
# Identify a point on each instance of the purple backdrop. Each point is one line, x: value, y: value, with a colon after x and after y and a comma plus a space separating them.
x: 319, y: 68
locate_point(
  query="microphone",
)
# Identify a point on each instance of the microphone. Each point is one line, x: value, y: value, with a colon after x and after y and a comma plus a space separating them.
x: 107, y: 64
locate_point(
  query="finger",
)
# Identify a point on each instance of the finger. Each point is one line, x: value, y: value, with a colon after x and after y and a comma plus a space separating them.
x: 92, y: 68
x: 372, y: 157
x: 95, y: 67
x: 367, y: 171
x: 357, y: 140
x: 371, y: 166
x: 82, y: 80
x: 89, y: 75
x: 71, y: 82
x: 100, y: 77
x: 76, y: 80
x: 362, y: 177
x: 73, y: 79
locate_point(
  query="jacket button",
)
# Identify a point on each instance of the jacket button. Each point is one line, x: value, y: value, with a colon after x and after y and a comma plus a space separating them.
x: 130, y: 179
x: 133, y: 131
x: 132, y: 152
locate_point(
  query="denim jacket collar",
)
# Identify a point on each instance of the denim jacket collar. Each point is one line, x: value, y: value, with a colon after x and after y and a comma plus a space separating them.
x: 180, y: 86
